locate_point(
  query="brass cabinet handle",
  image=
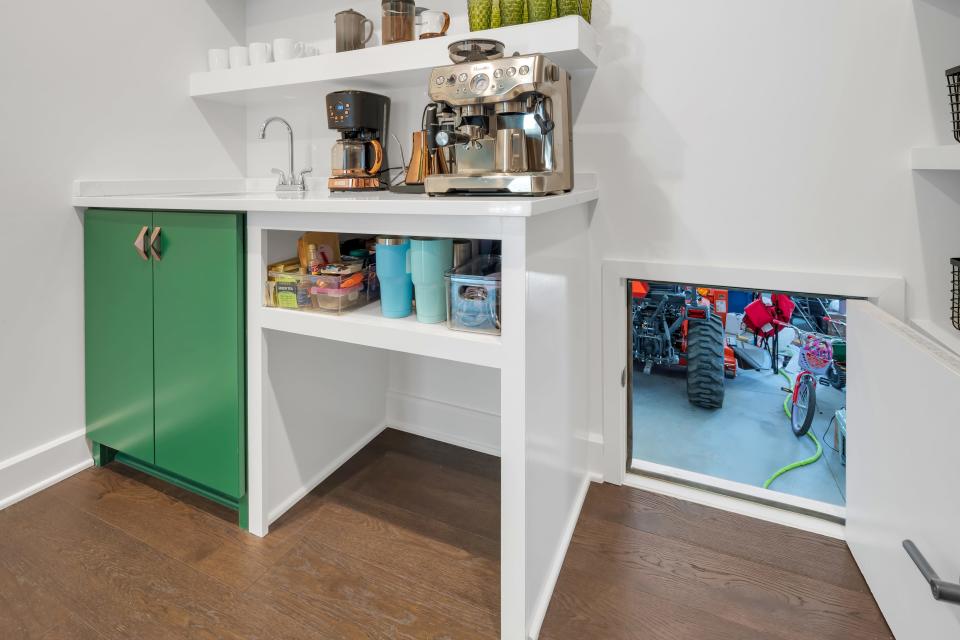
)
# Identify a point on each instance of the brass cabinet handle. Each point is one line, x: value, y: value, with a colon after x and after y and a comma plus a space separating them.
x: 138, y: 244
x: 155, y: 245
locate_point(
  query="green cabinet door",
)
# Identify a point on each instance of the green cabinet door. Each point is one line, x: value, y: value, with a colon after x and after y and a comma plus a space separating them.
x: 118, y: 315
x: 198, y: 349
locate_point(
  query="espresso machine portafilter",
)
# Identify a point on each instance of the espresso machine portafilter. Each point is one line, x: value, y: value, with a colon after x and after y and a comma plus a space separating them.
x: 508, y: 126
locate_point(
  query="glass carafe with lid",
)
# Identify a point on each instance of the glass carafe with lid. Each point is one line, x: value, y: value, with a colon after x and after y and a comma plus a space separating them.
x: 399, y: 21
x: 352, y: 157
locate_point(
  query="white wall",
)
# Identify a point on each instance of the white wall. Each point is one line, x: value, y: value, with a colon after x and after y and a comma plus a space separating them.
x: 767, y: 133
x: 764, y: 133
x: 90, y: 90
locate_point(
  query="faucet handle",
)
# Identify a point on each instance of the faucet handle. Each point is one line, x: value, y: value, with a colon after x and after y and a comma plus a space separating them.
x: 300, y: 180
x: 282, y: 180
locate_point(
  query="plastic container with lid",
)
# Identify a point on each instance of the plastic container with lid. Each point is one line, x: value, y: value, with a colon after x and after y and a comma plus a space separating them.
x: 473, y: 296
x: 338, y: 288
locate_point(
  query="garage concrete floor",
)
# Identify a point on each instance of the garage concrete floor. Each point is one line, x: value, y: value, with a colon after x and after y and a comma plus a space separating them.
x: 745, y: 441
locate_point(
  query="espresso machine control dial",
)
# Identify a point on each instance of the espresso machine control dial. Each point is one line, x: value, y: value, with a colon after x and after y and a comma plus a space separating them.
x: 489, y: 81
x: 479, y: 83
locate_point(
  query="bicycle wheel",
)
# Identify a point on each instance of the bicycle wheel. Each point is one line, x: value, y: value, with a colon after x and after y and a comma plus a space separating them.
x: 804, y: 404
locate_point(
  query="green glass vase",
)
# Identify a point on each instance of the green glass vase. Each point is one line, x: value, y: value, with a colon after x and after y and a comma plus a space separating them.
x: 575, y: 8
x: 480, y: 13
x: 511, y: 12
x: 539, y: 10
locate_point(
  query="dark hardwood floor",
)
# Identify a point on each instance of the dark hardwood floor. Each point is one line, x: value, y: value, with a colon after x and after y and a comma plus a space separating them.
x: 403, y: 542
x: 645, y: 566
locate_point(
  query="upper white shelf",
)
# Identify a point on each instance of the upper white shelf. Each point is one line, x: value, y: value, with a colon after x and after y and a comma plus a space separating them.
x: 570, y: 42
x: 366, y: 326
x: 945, y: 158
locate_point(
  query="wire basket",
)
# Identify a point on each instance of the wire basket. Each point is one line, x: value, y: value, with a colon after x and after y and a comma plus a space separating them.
x: 953, y: 86
x: 955, y: 294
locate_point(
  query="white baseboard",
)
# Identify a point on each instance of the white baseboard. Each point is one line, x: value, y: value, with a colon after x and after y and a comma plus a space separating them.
x: 32, y: 471
x: 543, y: 600
x: 438, y: 420
x: 736, y: 505
x: 595, y: 456
x: 324, y: 473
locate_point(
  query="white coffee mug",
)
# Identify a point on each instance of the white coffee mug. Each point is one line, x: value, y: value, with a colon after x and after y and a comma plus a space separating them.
x: 287, y: 49
x: 239, y: 57
x: 260, y: 53
x: 434, y: 23
x: 218, y: 59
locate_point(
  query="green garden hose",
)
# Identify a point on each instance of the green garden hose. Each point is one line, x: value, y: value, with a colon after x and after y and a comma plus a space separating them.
x: 810, y: 434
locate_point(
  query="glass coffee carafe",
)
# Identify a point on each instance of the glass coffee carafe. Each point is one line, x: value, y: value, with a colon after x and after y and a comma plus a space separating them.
x: 352, y: 157
x: 399, y: 21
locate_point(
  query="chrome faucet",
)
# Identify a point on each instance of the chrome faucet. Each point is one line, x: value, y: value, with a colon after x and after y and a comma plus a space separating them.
x: 286, y: 181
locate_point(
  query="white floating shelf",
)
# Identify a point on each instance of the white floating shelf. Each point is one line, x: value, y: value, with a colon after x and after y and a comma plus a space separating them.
x: 569, y: 41
x: 945, y: 158
x: 366, y: 326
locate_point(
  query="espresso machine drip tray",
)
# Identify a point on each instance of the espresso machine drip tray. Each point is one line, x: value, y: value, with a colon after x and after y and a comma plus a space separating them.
x: 476, y: 50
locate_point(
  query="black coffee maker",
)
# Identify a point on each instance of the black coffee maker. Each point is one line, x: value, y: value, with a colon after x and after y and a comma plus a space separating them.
x: 358, y: 161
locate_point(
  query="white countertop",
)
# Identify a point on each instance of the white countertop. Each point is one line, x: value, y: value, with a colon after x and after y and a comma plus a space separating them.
x: 238, y: 194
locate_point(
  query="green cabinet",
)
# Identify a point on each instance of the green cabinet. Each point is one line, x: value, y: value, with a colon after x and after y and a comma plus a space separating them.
x: 118, y: 287
x: 165, y: 346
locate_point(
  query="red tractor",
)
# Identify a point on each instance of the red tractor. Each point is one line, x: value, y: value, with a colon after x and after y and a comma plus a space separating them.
x: 678, y: 326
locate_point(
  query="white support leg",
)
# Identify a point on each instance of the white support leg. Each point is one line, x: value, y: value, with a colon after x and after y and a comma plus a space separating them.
x: 256, y: 365
x: 512, y: 435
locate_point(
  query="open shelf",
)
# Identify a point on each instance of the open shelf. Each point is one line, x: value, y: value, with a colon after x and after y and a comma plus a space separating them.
x: 366, y: 326
x: 570, y: 42
x: 945, y: 158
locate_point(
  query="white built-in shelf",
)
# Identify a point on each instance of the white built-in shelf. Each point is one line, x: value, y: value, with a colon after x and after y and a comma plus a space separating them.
x: 569, y: 41
x: 258, y: 195
x: 945, y: 158
x: 366, y: 326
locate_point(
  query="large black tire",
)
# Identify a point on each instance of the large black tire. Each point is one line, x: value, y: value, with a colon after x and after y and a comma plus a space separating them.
x: 705, y: 362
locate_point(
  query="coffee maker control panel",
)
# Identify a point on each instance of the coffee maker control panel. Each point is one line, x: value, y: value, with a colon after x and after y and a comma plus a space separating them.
x: 338, y: 112
x: 491, y: 81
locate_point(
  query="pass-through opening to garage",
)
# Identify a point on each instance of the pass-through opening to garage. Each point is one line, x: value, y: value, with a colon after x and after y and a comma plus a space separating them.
x: 740, y: 391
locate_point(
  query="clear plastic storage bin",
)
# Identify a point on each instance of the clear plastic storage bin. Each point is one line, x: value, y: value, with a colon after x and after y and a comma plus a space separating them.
x: 473, y: 296
x: 326, y: 292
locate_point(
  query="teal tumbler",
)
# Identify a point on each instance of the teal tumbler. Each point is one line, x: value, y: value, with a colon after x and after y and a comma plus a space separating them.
x: 430, y: 259
x: 393, y: 272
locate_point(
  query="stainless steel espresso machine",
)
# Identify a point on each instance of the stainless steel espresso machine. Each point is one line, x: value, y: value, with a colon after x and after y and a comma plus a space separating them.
x: 505, y: 125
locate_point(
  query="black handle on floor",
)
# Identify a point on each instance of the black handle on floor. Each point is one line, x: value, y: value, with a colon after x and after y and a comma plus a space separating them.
x: 946, y: 591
